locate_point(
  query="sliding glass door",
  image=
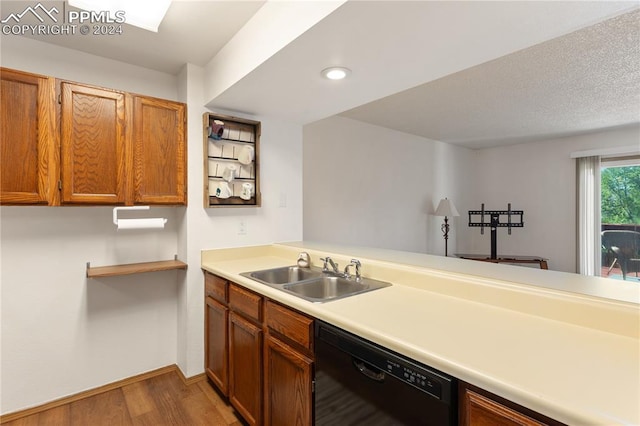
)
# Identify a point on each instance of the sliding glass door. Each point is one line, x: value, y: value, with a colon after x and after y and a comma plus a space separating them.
x: 620, y: 218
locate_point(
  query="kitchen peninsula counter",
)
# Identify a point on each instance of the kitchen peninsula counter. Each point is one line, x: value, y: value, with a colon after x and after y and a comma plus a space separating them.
x: 572, y: 357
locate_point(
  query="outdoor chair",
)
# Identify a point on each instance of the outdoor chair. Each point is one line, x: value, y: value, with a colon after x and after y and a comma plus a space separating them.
x: 625, y: 248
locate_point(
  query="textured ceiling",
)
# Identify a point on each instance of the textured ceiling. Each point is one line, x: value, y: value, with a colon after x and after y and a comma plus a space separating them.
x: 580, y: 82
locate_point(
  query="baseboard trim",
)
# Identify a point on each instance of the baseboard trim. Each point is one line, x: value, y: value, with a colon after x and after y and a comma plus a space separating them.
x: 101, y: 389
x: 190, y: 380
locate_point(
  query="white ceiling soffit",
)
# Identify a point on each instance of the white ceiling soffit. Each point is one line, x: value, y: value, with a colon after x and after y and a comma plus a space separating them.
x: 268, y: 31
x: 191, y: 32
x: 392, y: 46
x: 585, y: 81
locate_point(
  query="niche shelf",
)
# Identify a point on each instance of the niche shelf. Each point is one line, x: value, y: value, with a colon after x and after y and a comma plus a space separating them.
x: 221, y: 151
x: 133, y: 268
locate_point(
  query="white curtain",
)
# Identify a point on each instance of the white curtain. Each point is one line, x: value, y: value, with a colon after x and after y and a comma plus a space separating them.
x: 589, y: 251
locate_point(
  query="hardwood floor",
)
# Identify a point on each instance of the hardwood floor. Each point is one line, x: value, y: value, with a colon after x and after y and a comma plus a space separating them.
x: 157, y: 401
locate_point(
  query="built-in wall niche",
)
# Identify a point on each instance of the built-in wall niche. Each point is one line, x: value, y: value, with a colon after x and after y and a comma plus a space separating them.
x: 232, y: 166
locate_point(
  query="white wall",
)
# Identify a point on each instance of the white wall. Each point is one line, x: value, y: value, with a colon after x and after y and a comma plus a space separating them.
x: 62, y: 333
x: 539, y: 178
x: 278, y: 219
x: 371, y: 186
x: 43, y: 58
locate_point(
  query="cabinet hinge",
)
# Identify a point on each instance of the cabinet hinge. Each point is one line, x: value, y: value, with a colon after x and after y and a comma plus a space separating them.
x: 59, y: 99
x: 60, y: 185
x: 313, y: 386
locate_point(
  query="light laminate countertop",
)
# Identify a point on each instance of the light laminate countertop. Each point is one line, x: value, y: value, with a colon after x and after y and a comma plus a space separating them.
x: 573, y: 357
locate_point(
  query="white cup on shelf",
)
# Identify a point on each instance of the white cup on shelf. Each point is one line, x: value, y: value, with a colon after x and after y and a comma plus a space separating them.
x: 216, y: 129
x: 247, y: 191
x: 230, y: 173
x: 224, y: 190
x: 246, y: 155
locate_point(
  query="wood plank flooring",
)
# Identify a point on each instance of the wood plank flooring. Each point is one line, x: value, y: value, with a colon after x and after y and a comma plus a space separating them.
x: 157, y: 401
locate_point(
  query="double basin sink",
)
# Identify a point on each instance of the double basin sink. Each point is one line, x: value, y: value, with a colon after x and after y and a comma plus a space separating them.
x: 312, y: 284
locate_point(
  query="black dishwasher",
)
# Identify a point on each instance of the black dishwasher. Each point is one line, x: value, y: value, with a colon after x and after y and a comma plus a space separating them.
x: 360, y: 383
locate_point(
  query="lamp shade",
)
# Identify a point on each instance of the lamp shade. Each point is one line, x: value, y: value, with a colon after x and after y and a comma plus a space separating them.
x: 446, y: 208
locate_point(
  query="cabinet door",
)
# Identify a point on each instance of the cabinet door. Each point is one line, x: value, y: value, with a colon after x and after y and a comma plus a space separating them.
x: 159, y: 151
x: 27, y: 111
x: 94, y: 149
x: 482, y: 410
x: 245, y: 368
x: 216, y: 349
x: 288, y: 385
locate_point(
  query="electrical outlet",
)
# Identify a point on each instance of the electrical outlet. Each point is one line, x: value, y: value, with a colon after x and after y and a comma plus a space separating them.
x: 242, y: 228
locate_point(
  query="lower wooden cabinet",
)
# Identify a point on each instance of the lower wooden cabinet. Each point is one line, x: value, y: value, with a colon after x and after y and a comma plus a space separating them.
x: 478, y: 407
x: 216, y: 344
x: 245, y: 368
x: 259, y: 353
x: 288, y: 385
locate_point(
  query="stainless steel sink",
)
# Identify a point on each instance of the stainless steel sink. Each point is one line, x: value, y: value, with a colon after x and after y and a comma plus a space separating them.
x: 312, y: 284
x: 284, y: 275
x: 330, y: 288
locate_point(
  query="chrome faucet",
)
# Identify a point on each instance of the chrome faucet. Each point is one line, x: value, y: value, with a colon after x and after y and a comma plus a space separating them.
x: 334, y: 266
x: 356, y: 263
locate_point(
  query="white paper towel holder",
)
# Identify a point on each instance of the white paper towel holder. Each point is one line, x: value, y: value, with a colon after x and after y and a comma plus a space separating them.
x: 141, y: 223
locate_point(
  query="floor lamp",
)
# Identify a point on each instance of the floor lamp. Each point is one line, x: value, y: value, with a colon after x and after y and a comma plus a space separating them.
x: 446, y: 209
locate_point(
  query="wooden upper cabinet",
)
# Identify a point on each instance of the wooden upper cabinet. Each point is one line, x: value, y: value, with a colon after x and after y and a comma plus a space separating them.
x: 93, y: 145
x: 27, y: 138
x: 159, y: 151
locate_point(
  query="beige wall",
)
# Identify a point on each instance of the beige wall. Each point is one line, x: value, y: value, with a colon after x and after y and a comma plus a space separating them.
x: 372, y: 186
x: 539, y: 178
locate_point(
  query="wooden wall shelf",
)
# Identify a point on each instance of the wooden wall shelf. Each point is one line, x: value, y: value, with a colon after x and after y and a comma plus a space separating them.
x: 133, y: 268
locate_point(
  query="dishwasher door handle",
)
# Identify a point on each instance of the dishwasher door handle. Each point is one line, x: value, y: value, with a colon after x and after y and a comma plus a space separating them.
x: 362, y: 368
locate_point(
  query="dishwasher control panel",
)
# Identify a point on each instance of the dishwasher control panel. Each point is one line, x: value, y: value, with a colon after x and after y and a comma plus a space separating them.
x: 416, y: 377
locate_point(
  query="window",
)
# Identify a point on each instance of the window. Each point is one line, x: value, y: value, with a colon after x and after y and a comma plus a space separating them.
x: 620, y: 217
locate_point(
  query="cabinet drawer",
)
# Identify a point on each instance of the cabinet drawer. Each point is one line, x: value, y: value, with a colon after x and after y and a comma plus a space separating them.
x: 480, y: 407
x: 296, y: 327
x: 246, y: 302
x: 215, y: 287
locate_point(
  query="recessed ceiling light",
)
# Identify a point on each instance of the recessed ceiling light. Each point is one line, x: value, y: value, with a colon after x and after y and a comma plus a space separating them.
x: 336, y: 73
